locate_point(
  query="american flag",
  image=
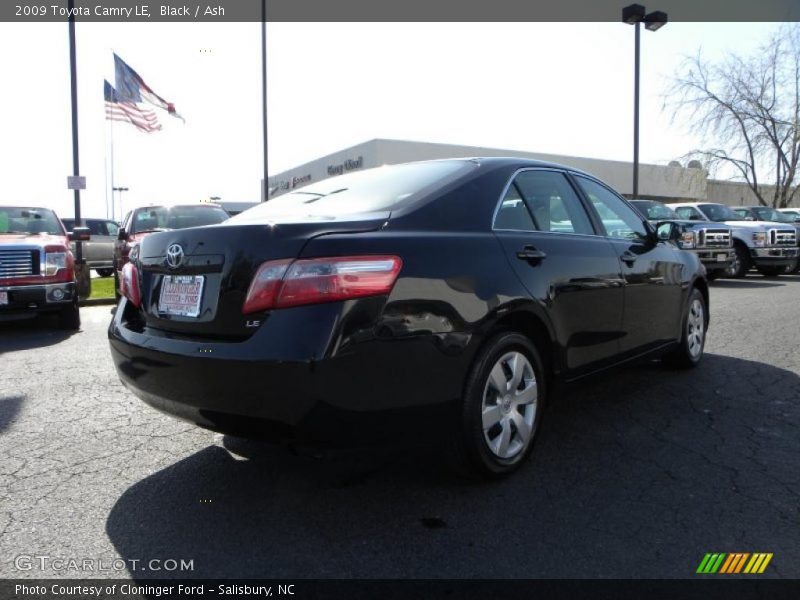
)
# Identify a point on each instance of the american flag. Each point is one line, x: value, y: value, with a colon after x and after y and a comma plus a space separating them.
x: 143, y: 119
x: 132, y: 88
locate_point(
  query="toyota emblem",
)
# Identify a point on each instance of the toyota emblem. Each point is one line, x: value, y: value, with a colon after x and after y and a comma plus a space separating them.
x: 174, y: 256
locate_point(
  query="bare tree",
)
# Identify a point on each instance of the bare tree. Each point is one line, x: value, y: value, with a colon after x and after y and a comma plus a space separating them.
x: 747, y: 111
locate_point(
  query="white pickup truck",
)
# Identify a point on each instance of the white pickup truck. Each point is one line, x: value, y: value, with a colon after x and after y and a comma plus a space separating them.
x: 769, y: 247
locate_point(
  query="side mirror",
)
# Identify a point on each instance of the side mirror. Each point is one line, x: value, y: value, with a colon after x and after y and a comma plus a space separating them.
x: 666, y: 230
x: 122, y: 235
x: 79, y: 234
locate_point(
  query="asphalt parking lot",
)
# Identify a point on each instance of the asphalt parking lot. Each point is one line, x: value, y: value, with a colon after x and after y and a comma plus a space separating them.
x: 637, y: 473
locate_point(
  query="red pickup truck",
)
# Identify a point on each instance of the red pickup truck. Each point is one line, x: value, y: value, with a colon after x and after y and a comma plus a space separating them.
x: 37, y: 273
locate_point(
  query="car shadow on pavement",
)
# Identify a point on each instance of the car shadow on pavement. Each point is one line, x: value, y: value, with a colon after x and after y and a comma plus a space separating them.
x: 636, y: 473
x: 26, y: 334
x: 9, y: 407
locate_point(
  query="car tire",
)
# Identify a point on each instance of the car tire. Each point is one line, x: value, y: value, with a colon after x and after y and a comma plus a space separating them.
x: 770, y: 271
x: 741, y: 262
x: 117, y: 295
x: 105, y: 272
x: 499, y: 419
x: 694, y: 325
x: 70, y: 317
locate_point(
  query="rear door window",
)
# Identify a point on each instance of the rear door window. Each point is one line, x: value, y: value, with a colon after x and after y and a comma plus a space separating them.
x: 112, y: 228
x: 513, y: 214
x: 553, y: 203
x: 95, y: 227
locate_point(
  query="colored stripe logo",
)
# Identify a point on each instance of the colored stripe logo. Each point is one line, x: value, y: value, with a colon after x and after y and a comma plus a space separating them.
x: 734, y: 562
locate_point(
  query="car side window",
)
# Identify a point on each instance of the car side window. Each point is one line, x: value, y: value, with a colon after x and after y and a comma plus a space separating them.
x: 619, y: 220
x: 95, y: 227
x: 553, y: 203
x: 689, y: 213
x: 513, y: 214
x: 112, y: 228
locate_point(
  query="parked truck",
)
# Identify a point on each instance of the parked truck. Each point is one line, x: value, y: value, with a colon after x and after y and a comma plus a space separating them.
x: 37, y: 268
x: 768, y: 246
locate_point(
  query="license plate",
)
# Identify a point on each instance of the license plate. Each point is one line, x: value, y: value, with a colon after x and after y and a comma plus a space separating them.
x: 181, y: 295
x: 3, y: 298
x: 722, y: 257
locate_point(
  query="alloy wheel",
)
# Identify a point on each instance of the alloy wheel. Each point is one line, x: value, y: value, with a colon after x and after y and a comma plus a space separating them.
x: 736, y: 263
x: 509, y: 405
x: 695, y: 328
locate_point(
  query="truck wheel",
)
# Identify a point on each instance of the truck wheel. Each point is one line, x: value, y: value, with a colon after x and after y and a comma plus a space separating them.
x: 502, y: 408
x: 693, y: 338
x: 70, y: 317
x: 117, y: 295
x: 770, y: 271
x: 105, y: 272
x: 740, y: 264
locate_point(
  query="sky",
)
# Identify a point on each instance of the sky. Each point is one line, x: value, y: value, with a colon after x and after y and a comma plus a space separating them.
x: 538, y: 87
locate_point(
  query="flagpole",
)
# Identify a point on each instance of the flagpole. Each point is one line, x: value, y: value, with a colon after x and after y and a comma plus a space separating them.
x: 113, y: 208
x: 105, y: 159
x: 264, y: 195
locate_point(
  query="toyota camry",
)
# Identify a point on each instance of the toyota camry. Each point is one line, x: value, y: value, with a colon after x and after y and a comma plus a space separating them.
x: 438, y: 298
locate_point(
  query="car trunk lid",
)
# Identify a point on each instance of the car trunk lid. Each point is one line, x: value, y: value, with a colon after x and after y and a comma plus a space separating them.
x: 194, y: 281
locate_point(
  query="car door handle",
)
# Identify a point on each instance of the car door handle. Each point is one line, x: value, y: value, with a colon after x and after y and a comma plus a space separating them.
x: 531, y: 254
x: 628, y: 257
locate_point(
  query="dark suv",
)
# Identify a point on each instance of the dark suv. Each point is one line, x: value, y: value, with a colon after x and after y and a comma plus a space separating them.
x: 145, y: 220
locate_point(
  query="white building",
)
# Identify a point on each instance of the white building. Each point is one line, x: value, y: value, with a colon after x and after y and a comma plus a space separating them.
x: 665, y: 183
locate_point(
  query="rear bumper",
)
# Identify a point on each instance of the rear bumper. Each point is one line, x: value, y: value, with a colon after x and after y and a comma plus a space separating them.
x: 26, y: 301
x: 375, y: 390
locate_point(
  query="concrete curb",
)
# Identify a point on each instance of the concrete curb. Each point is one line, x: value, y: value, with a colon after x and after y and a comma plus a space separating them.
x: 96, y: 301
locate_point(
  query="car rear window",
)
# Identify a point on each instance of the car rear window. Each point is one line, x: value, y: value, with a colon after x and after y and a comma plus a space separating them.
x: 381, y: 189
x: 176, y: 217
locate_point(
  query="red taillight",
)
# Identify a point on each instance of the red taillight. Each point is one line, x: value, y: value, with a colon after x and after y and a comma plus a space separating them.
x: 285, y: 283
x: 129, y: 284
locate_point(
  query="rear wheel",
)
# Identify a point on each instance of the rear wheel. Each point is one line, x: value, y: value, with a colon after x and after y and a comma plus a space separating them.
x: 693, y: 338
x: 502, y: 407
x: 741, y: 262
x: 105, y: 272
x: 70, y: 318
x: 117, y: 295
x: 770, y: 271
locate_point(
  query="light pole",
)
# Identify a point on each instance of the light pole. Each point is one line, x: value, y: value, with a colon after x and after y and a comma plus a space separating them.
x: 120, y: 190
x: 633, y: 15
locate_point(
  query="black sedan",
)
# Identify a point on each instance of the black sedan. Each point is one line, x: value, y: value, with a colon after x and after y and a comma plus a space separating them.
x: 440, y: 298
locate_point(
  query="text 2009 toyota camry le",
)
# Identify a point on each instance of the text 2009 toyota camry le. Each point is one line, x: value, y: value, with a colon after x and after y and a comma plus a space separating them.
x: 440, y: 297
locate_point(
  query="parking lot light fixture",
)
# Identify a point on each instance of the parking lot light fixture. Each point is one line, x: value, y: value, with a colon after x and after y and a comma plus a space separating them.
x: 655, y: 20
x: 634, y: 14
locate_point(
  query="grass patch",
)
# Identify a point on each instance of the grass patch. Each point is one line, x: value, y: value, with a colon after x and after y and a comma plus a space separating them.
x: 102, y: 287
